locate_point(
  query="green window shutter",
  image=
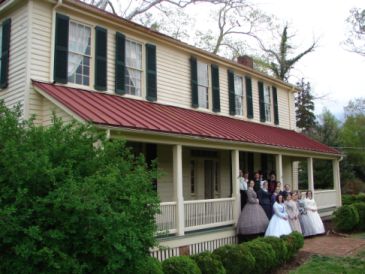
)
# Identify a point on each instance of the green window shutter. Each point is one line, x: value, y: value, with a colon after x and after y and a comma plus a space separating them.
x: 249, y: 97
x: 231, y: 95
x: 100, y: 58
x: 119, y: 63
x: 261, y: 102
x: 151, y: 72
x: 276, y: 108
x: 194, y: 82
x: 215, y: 88
x: 61, y: 49
x: 4, y: 73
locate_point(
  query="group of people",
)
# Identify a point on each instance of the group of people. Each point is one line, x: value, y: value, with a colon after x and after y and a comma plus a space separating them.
x: 269, y: 210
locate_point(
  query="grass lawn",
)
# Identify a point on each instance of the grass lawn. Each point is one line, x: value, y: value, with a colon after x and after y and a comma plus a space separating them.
x: 334, y: 265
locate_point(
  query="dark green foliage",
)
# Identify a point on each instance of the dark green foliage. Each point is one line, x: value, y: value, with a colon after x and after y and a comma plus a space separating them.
x: 351, y: 199
x: 304, y: 107
x: 265, y: 257
x: 360, y: 207
x: 299, y: 240
x: 68, y: 206
x: 291, y: 246
x: 235, y: 259
x: 180, y: 265
x: 278, y: 246
x: 346, y: 218
x: 208, y: 263
x: 149, y: 265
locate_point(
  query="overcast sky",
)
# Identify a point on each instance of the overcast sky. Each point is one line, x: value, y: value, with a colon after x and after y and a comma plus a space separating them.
x: 330, y: 69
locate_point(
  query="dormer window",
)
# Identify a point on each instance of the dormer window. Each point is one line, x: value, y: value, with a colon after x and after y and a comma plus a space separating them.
x: 79, y: 54
x: 133, y: 71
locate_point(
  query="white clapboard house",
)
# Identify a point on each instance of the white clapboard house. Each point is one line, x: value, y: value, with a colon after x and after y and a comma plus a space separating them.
x: 202, y: 116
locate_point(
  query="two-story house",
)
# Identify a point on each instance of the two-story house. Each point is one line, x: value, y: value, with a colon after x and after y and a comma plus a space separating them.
x: 202, y: 116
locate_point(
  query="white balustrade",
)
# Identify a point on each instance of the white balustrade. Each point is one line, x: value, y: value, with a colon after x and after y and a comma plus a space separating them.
x: 325, y: 198
x: 201, y: 214
x: 166, y: 219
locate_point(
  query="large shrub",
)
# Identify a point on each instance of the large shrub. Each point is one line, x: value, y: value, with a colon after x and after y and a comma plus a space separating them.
x: 71, y: 201
x: 346, y: 218
x: 148, y: 265
x: 291, y: 246
x: 360, y: 207
x: 264, y: 255
x: 299, y: 240
x: 348, y: 199
x: 180, y: 265
x: 208, y: 263
x: 235, y: 259
x: 278, y: 246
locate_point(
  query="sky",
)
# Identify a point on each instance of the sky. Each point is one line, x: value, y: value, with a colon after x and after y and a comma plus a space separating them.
x: 333, y: 72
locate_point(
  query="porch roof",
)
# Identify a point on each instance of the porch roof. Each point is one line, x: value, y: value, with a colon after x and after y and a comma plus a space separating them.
x: 117, y: 111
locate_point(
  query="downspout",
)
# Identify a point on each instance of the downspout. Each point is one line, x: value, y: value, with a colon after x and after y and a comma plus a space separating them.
x: 53, y: 35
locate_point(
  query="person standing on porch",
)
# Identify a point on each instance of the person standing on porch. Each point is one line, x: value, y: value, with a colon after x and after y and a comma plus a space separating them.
x: 272, y: 182
x: 243, y: 182
x: 315, y: 220
x: 257, y: 181
x: 265, y: 199
x: 253, y: 220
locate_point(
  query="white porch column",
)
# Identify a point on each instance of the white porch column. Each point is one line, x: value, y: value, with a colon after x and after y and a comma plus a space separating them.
x: 337, y: 181
x: 279, y: 169
x: 310, y: 174
x: 178, y: 187
x: 235, y: 186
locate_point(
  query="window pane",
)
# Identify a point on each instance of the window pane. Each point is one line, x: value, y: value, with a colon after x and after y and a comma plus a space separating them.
x: 79, y: 53
x: 133, y: 55
x: 202, y: 74
x: 203, y: 97
x: 238, y: 87
x: 238, y: 102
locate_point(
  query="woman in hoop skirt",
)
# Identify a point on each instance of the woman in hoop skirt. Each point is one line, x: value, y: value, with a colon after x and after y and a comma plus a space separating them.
x: 279, y: 224
x: 253, y: 220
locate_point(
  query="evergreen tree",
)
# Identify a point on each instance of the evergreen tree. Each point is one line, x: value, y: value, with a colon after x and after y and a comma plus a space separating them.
x: 306, y: 120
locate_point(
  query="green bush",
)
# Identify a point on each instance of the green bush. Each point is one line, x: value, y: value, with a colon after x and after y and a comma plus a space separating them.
x: 265, y: 257
x: 208, y: 263
x: 291, y: 246
x: 360, y: 207
x: 299, y: 240
x: 68, y: 206
x: 348, y: 199
x: 346, y: 218
x: 149, y: 265
x: 180, y: 265
x: 278, y: 246
x: 235, y: 259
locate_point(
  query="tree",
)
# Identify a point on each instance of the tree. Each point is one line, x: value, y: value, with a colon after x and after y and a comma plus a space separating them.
x: 304, y: 107
x: 280, y: 60
x: 355, y: 41
x: 355, y: 107
x: 68, y: 205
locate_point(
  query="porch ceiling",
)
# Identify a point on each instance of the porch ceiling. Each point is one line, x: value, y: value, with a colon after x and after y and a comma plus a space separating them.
x: 117, y: 111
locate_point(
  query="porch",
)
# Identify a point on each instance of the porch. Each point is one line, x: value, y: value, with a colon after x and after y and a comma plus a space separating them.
x: 199, y: 188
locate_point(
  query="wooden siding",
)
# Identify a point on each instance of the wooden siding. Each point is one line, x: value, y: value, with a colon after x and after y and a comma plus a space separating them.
x: 14, y: 93
x: 49, y: 109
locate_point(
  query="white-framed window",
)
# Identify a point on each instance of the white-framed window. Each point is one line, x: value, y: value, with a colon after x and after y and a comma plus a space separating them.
x: 133, y: 71
x: 203, y: 84
x: 238, y: 94
x: 267, y: 102
x: 1, y: 43
x: 79, y: 53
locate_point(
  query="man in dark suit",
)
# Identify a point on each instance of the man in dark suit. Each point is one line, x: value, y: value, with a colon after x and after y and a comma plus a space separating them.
x: 264, y: 197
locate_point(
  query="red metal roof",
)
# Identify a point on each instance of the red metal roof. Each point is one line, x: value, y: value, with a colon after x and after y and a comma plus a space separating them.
x: 117, y: 111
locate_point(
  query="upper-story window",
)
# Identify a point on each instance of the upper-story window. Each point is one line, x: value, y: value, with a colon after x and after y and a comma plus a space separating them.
x: 133, y: 71
x: 267, y: 102
x: 238, y: 90
x: 79, y: 54
x: 203, y: 84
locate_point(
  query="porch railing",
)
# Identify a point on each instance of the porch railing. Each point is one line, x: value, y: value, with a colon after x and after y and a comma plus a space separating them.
x: 201, y: 214
x: 166, y: 220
